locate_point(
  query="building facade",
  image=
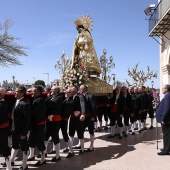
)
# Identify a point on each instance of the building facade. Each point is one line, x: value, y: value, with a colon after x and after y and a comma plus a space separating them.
x: 159, y: 27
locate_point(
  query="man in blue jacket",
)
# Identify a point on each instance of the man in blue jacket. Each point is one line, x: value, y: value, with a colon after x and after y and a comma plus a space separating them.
x: 163, y: 117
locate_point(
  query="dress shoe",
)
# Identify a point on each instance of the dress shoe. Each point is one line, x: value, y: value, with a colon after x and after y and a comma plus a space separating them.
x: 76, y: 147
x: 151, y: 127
x: 81, y: 152
x: 21, y: 168
x: 66, y: 150
x: 90, y: 150
x: 120, y: 137
x: 105, y: 128
x: 55, y: 159
x: 39, y: 163
x: 31, y: 159
x: 133, y: 133
x: 125, y: 135
x: 140, y: 131
x: 4, y: 164
x: 110, y: 136
x: 163, y: 153
x: 39, y: 155
x: 70, y: 154
x: 51, y: 152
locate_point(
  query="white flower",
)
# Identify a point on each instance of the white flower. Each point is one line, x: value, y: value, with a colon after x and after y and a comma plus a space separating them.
x: 78, y: 74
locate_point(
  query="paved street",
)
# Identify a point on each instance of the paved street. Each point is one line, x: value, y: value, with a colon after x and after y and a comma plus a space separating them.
x: 138, y: 152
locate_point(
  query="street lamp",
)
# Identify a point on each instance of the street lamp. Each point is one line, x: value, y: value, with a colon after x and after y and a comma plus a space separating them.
x: 152, y: 83
x: 47, y: 78
x: 34, y: 80
x: 106, y: 65
x: 63, y: 63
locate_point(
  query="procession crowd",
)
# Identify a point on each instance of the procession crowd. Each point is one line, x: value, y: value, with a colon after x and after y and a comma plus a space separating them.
x: 32, y: 123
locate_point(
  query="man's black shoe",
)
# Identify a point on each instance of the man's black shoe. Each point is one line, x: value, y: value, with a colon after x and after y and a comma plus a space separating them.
x: 65, y: 150
x: 81, y: 152
x: 120, y: 137
x: 21, y: 168
x: 110, y: 136
x: 70, y: 154
x: 151, y: 127
x: 39, y: 155
x: 39, y: 163
x: 133, y: 133
x: 76, y: 147
x: 55, y: 159
x: 4, y: 164
x: 90, y: 150
x: 125, y: 135
x: 31, y: 159
x: 51, y: 152
x: 140, y: 131
x: 163, y: 153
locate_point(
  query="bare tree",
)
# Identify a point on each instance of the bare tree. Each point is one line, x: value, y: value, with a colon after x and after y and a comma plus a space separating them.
x: 140, y: 77
x: 9, y: 50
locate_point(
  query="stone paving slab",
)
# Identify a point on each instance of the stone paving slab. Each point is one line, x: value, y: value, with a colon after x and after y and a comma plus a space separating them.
x: 138, y: 152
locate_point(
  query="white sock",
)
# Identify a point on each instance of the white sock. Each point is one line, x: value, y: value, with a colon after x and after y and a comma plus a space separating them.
x: 24, y: 159
x: 112, y: 130
x: 139, y: 125
x: 95, y: 125
x: 72, y: 140
x: 57, y: 149
x: 32, y: 153
x: 152, y: 121
x: 53, y: 147
x: 13, y: 154
x: 9, y: 141
x: 120, y: 129
x: 42, y: 156
x: 91, y: 142
x: 82, y: 144
x: 116, y: 129
x: 8, y: 163
x: 100, y: 124
x: 46, y: 146
x: 79, y: 144
x: 70, y: 145
x: 132, y: 127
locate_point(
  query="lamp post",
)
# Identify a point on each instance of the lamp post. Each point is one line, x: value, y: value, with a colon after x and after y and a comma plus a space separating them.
x: 152, y: 83
x: 47, y: 78
x: 106, y: 65
x: 62, y: 63
x: 34, y: 80
x: 13, y: 78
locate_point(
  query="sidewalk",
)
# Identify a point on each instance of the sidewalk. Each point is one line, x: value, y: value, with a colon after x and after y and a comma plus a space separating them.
x: 138, y: 152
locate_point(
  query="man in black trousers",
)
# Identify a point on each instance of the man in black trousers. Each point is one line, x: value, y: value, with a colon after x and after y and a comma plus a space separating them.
x: 68, y: 106
x: 90, y: 107
x: 21, y: 116
x: 77, y: 118
x: 36, y: 137
x: 4, y: 130
x: 53, y: 119
x: 163, y: 117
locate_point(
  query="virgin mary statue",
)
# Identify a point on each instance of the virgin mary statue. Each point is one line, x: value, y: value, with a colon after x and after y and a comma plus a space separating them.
x: 84, y: 53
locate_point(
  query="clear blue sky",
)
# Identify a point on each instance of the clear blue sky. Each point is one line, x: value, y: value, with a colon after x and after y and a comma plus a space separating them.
x: 47, y: 28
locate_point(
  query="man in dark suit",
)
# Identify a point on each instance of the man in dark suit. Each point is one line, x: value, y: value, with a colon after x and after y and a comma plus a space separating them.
x: 68, y: 105
x: 21, y: 116
x: 77, y: 118
x: 53, y: 119
x: 90, y: 107
x: 163, y: 117
x: 4, y: 130
x: 36, y: 137
x: 117, y: 103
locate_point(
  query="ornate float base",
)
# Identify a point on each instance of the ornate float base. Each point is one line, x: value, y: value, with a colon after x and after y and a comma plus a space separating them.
x: 99, y: 87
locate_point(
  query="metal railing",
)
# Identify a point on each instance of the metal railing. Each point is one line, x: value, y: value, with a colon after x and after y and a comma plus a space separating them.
x: 158, y: 13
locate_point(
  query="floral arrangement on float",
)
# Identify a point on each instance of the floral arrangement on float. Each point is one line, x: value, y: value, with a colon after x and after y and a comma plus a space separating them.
x: 74, y: 76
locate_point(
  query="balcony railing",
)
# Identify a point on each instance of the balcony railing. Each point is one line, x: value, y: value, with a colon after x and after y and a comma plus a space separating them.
x: 162, y: 8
